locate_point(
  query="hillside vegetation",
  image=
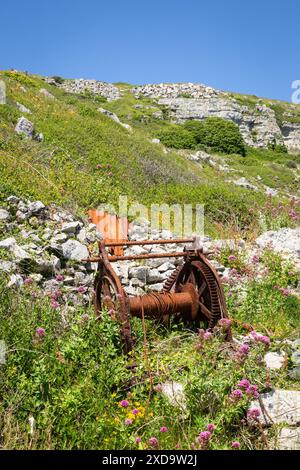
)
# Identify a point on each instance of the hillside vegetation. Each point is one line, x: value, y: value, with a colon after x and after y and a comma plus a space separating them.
x: 86, y: 158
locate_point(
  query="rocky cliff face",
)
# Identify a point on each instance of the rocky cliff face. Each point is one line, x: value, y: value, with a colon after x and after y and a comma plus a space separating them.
x: 257, y: 123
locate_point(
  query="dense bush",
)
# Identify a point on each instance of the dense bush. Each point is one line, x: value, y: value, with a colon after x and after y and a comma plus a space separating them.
x: 177, y: 137
x: 219, y: 134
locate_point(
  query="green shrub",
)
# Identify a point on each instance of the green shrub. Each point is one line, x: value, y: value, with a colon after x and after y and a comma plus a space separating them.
x: 58, y: 79
x: 177, y: 137
x: 219, y: 134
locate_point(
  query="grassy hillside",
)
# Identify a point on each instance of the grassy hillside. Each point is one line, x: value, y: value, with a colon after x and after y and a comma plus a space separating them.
x: 87, y: 159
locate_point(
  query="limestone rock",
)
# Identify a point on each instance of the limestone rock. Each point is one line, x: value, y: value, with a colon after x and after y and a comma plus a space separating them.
x: 74, y: 250
x: 275, y: 360
x: 4, y: 215
x: 25, y: 127
x: 282, y: 406
x: 289, y: 439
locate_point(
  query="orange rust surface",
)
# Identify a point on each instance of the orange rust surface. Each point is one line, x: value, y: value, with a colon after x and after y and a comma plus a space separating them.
x: 112, y: 228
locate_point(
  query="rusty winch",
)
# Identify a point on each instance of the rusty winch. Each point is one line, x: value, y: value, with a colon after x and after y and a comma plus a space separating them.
x: 193, y: 293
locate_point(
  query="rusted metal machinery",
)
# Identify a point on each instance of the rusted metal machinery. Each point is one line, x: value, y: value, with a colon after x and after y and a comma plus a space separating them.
x: 193, y: 293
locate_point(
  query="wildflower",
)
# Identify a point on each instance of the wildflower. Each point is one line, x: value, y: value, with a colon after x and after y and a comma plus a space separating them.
x: 235, y: 444
x: 54, y: 304
x: 207, y: 336
x: 253, y: 414
x: 40, y: 332
x: 28, y: 281
x: 244, y: 383
x: 224, y: 323
x: 232, y: 258
x: 153, y: 442
x: 201, y: 333
x: 250, y: 210
x: 135, y: 411
x: 236, y: 395
x: 211, y: 427
x: 204, y: 436
x: 252, y: 391
x: 124, y: 403
x: 158, y: 388
x: 244, y: 349
x: 138, y: 440
x: 81, y: 290
x: 128, y: 421
x: 59, y: 277
x: 177, y: 446
x: 164, y: 429
x: 265, y: 340
x: 85, y: 317
x: 255, y: 259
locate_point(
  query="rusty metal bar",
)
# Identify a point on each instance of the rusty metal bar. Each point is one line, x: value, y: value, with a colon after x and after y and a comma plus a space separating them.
x: 162, y: 241
x: 155, y: 306
x: 133, y: 257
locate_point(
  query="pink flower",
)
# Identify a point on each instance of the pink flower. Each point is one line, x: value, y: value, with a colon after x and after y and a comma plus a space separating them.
x: 211, y: 427
x: 252, y: 391
x: 177, y: 446
x: 54, y: 304
x: 124, y: 403
x: 232, y: 258
x: 207, y: 336
x: 164, y: 429
x: 236, y: 395
x: 265, y: 340
x: 138, y: 440
x: 81, y: 290
x: 153, y: 442
x: 244, y: 349
x: 28, y: 281
x: 224, y: 323
x: 40, y: 332
x: 158, y: 388
x: 128, y: 421
x: 255, y: 259
x: 235, y: 444
x: 135, y: 411
x: 244, y: 383
x: 59, y: 277
x: 253, y: 414
x: 204, y: 436
x: 251, y: 210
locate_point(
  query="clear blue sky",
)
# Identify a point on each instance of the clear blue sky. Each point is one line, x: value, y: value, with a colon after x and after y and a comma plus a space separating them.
x: 250, y: 47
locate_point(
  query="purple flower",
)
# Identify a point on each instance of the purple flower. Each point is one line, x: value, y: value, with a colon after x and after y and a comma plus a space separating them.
x: 59, y: 277
x: 128, y: 421
x: 135, y: 411
x: 235, y: 444
x: 40, y: 332
x: 158, y: 388
x: 207, y: 336
x: 28, y: 281
x: 211, y: 427
x: 244, y: 349
x: 164, y: 429
x: 244, y: 383
x: 252, y: 391
x: 54, y: 304
x: 224, y: 323
x: 232, y: 258
x: 236, y: 395
x: 204, y: 436
x: 265, y: 340
x: 124, y: 403
x: 153, y: 442
x: 81, y: 290
x: 138, y: 440
x: 253, y: 413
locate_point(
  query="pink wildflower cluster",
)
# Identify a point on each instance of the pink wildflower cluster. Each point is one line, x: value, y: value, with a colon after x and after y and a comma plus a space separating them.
x: 235, y: 444
x: 283, y: 291
x: 204, y: 437
x: 224, y: 323
x: 244, y: 387
x: 40, y: 332
x: 55, y: 296
x: 293, y: 215
x: 204, y: 336
x: 259, y: 338
x: 232, y: 258
x: 253, y: 414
